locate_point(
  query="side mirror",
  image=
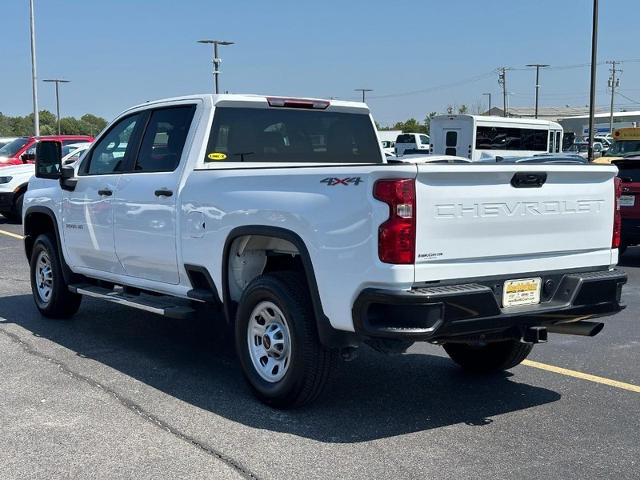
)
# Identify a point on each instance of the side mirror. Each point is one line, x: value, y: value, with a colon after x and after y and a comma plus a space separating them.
x: 28, y: 157
x: 68, y: 180
x: 48, y: 159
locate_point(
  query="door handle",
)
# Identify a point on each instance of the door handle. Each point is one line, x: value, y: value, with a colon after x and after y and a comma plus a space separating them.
x: 163, y: 192
x: 105, y: 192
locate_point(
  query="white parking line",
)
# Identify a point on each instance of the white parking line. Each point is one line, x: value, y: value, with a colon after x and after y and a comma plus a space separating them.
x: 12, y: 235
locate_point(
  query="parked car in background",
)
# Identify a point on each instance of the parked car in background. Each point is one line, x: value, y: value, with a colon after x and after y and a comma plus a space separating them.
x: 582, y: 149
x: 13, y: 184
x: 388, y: 147
x: 629, y: 175
x: 14, y: 180
x: 606, y: 142
x: 412, y: 141
x: 72, y: 152
x: 5, y: 140
x: 23, y: 149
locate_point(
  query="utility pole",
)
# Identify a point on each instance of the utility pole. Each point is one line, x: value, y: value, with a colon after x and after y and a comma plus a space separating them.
x: 592, y: 93
x: 489, y: 110
x: 614, y: 82
x: 57, y: 81
x: 538, y: 67
x: 216, y: 60
x: 34, y: 81
x: 502, y: 81
x: 363, y: 90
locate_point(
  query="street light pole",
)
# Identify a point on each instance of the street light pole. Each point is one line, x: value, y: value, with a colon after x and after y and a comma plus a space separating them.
x: 57, y: 81
x: 489, y: 110
x: 538, y: 67
x: 363, y: 90
x: 34, y: 85
x: 592, y: 93
x: 216, y: 60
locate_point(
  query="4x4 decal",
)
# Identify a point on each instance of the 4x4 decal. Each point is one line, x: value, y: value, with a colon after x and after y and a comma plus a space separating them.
x: 333, y: 181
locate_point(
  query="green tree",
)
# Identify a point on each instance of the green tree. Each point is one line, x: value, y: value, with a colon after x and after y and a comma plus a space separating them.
x: 17, y: 126
x: 462, y: 109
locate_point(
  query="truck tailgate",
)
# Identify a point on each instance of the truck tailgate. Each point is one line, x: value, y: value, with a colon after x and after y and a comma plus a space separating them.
x: 486, y: 220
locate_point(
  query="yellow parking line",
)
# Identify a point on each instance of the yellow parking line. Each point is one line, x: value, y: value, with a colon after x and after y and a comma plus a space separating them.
x: 583, y: 376
x: 12, y: 235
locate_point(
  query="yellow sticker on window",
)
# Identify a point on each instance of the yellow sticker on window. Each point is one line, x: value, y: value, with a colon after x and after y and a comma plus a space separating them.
x: 217, y: 156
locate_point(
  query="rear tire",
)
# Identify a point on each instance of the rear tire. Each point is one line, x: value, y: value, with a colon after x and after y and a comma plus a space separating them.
x: 622, y: 248
x: 50, y: 290
x: 489, y: 358
x: 277, y: 341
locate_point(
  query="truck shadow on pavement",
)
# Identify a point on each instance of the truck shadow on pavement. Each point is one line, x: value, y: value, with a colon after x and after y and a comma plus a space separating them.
x: 372, y: 397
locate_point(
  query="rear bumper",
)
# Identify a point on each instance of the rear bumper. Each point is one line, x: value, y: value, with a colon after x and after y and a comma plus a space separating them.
x: 442, y: 313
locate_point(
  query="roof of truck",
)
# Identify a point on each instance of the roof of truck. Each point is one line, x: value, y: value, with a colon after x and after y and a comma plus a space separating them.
x: 227, y: 98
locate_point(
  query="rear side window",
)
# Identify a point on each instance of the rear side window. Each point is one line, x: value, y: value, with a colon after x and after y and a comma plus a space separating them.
x: 424, y: 140
x: 405, y: 139
x: 291, y: 135
x: 164, y: 139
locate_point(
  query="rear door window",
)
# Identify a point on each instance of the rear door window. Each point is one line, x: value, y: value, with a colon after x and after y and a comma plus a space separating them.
x: 291, y: 135
x: 164, y: 139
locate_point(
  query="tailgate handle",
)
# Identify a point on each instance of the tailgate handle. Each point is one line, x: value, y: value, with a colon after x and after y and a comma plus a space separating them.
x: 528, y: 179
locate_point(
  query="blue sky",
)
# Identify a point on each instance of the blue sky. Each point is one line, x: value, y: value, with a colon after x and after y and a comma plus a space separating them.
x: 121, y: 52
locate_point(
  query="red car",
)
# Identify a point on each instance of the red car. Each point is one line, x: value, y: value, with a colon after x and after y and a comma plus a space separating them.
x: 23, y: 149
x: 629, y: 174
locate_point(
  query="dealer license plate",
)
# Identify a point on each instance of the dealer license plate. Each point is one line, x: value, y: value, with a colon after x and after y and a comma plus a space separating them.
x: 627, y: 200
x: 525, y: 291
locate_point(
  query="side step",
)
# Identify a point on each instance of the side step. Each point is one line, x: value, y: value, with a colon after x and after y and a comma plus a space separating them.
x: 162, y: 305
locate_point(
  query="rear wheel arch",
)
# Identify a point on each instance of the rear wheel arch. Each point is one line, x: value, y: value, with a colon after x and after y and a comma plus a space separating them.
x: 302, y: 263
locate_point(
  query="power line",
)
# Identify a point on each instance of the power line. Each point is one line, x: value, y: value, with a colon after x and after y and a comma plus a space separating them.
x: 437, y: 87
x: 630, y: 99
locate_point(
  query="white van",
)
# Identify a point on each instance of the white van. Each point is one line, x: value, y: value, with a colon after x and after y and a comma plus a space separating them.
x: 478, y: 137
x: 412, y: 141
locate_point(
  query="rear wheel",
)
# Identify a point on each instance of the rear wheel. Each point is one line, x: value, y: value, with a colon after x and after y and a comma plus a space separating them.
x: 277, y: 342
x: 50, y: 291
x: 622, y: 248
x: 488, y: 358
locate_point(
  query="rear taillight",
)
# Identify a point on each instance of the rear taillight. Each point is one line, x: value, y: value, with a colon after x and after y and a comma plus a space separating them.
x: 617, y: 218
x: 397, y: 236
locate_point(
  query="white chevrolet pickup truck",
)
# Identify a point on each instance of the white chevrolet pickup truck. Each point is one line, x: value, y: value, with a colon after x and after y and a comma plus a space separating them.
x: 284, y: 215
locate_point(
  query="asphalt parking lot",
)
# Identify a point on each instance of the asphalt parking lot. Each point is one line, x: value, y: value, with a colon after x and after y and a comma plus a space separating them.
x: 118, y: 393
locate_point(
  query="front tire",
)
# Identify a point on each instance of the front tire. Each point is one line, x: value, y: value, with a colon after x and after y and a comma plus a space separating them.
x: 50, y: 291
x: 488, y: 358
x: 277, y: 342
